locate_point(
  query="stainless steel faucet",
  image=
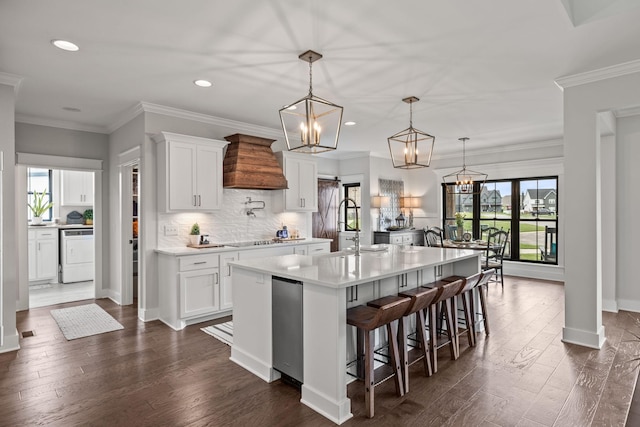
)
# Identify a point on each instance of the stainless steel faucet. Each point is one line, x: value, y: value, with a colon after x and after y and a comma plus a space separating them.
x: 356, y: 238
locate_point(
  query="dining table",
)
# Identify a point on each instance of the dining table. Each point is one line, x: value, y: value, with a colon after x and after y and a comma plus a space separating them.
x: 478, y: 245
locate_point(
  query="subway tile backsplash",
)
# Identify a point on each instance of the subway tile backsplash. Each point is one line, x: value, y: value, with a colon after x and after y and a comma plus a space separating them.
x: 231, y: 223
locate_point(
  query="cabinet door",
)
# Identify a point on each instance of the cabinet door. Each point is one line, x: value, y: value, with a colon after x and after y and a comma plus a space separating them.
x: 47, y: 258
x: 33, y: 260
x: 292, y: 198
x: 209, y: 178
x: 395, y: 240
x: 407, y: 239
x: 226, y: 301
x: 182, y: 176
x: 318, y: 248
x: 199, y: 290
x: 74, y: 188
x: 301, y: 250
x: 308, y: 185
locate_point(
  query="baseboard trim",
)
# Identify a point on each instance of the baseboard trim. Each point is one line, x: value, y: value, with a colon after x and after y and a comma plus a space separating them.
x: 147, y: 315
x: 584, y: 338
x: 610, y: 305
x: 9, y: 342
x: 338, y: 412
x: 253, y: 365
x: 629, y: 305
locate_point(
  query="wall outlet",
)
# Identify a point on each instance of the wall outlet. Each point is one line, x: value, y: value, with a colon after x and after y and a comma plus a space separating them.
x: 170, y: 230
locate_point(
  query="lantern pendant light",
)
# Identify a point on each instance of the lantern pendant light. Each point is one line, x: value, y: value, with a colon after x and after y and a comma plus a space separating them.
x: 311, y: 124
x: 411, y: 148
x: 462, y: 181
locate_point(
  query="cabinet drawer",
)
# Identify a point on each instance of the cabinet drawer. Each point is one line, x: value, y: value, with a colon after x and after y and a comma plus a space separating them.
x: 407, y: 239
x: 47, y: 234
x: 395, y: 240
x: 318, y: 248
x: 197, y: 262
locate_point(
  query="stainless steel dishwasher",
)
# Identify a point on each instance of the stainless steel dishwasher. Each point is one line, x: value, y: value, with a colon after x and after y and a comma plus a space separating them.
x: 287, y: 328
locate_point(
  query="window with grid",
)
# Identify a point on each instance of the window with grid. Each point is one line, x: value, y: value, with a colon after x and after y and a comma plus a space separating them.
x: 39, y: 180
x: 352, y: 191
x: 526, y: 207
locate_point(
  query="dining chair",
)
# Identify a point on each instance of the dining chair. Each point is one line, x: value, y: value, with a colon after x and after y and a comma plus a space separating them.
x: 494, y: 256
x: 486, y: 231
x: 452, y: 231
x: 433, y: 238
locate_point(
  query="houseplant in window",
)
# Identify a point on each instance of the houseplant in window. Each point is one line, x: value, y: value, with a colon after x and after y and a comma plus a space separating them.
x: 39, y: 206
x: 88, y: 216
x: 460, y: 225
x: 194, y: 235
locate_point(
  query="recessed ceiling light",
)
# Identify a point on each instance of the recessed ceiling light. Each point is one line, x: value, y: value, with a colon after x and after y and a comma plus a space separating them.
x: 202, y: 83
x: 65, y: 45
x: 349, y: 123
x: 72, y: 109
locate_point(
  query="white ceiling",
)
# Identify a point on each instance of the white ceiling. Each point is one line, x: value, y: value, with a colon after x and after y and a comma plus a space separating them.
x: 482, y: 69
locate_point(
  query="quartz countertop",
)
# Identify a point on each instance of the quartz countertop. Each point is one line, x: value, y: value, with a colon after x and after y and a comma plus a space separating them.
x: 184, y: 250
x: 344, y: 269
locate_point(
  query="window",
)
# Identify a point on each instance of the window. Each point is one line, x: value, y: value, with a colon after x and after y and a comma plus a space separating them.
x: 526, y: 207
x: 352, y: 191
x: 40, y: 180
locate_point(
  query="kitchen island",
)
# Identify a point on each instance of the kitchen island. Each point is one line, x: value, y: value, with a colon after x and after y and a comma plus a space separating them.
x: 331, y: 283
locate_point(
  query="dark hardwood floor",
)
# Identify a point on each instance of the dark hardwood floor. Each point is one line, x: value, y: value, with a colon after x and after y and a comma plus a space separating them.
x: 150, y: 375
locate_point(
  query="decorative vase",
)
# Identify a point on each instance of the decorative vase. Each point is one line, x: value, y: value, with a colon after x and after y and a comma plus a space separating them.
x: 459, y: 233
x: 36, y: 220
x: 194, y: 239
x: 88, y: 222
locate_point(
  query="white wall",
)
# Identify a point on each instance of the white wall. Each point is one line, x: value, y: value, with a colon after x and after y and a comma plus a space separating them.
x: 627, y: 210
x: 8, y: 256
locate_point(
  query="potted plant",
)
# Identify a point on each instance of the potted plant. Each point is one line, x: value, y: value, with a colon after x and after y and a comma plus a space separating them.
x: 88, y: 216
x: 39, y: 206
x: 194, y: 235
x: 460, y: 224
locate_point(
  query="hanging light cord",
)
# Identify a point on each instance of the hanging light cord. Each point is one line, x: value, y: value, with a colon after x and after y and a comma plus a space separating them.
x: 310, y: 76
x: 464, y: 163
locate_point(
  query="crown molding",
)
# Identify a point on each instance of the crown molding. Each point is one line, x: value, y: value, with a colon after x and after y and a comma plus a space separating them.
x: 125, y: 117
x: 599, y: 74
x: 32, y: 120
x: 11, y: 80
x: 524, y: 146
x: 240, y: 127
x: 627, y: 112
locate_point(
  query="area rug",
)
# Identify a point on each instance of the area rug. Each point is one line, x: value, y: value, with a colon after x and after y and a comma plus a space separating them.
x: 84, y: 320
x: 222, y: 332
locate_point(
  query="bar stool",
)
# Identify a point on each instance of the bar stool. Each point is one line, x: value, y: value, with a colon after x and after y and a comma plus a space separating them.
x: 421, y: 299
x: 447, y: 298
x: 466, y: 295
x: 482, y: 287
x: 367, y: 320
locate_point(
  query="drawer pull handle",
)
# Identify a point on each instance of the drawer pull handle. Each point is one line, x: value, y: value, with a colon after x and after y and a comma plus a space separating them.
x: 199, y: 262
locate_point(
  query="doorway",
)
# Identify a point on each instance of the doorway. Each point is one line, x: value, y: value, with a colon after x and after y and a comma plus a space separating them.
x: 325, y: 221
x: 130, y: 232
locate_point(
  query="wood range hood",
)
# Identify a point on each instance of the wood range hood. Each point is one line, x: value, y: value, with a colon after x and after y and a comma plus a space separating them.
x: 250, y: 164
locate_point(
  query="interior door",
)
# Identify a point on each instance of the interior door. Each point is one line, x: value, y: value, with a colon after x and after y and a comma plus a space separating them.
x: 325, y: 220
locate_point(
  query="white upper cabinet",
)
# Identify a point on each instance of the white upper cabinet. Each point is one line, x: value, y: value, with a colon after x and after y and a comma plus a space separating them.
x: 77, y: 188
x: 301, y: 172
x: 189, y: 173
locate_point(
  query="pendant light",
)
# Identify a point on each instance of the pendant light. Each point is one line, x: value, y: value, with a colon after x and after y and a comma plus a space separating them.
x: 314, y: 121
x: 411, y: 148
x: 462, y: 181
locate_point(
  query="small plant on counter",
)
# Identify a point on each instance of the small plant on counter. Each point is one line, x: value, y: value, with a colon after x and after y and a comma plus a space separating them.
x: 88, y: 216
x: 39, y: 206
x: 194, y: 237
x: 195, y: 229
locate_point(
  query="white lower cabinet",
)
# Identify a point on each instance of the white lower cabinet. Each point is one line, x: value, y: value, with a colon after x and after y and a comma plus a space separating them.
x: 226, y: 302
x: 199, y: 292
x: 43, y: 255
x: 196, y: 288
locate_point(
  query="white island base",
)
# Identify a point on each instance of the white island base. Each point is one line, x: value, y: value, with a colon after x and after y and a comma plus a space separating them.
x: 331, y: 284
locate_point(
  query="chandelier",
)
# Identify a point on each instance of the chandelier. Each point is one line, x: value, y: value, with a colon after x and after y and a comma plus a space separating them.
x: 314, y: 121
x: 462, y: 181
x: 411, y: 148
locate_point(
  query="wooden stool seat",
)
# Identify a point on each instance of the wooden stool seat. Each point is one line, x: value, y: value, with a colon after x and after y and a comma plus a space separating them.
x: 367, y: 319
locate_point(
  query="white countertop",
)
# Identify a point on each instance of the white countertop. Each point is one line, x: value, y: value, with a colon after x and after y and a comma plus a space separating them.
x: 344, y: 269
x: 184, y: 250
x: 63, y: 226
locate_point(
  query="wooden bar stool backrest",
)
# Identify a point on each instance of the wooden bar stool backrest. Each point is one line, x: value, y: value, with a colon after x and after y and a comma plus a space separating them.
x: 486, y: 276
x: 471, y: 282
x: 449, y: 290
x: 422, y: 298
